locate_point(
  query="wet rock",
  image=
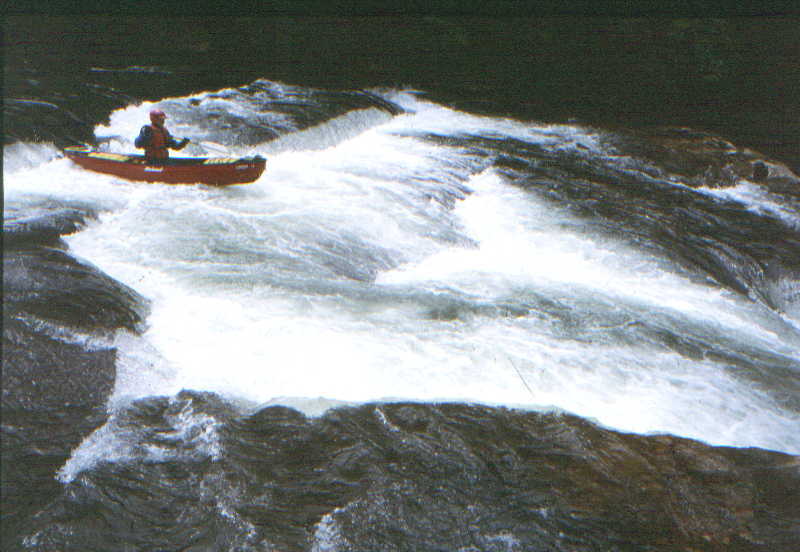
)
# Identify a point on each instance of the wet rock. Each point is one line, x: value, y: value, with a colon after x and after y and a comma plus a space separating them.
x: 44, y: 373
x: 58, y: 365
x: 760, y: 171
x: 50, y: 285
x: 423, y: 477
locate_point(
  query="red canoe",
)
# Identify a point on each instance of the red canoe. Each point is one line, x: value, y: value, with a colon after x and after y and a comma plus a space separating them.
x: 215, y: 171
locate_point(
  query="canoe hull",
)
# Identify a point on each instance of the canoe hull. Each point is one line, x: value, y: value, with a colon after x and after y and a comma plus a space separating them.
x: 222, y: 171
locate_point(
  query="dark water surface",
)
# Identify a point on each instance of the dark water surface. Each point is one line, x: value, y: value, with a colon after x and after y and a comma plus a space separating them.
x: 736, y: 77
x: 507, y: 284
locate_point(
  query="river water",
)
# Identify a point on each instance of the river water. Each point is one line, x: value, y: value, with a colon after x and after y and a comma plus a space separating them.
x: 368, y: 347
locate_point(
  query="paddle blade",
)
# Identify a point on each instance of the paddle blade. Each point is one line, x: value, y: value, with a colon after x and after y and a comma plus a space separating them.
x: 214, y: 146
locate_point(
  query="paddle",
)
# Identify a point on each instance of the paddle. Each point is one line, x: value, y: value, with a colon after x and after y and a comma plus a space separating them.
x: 214, y: 146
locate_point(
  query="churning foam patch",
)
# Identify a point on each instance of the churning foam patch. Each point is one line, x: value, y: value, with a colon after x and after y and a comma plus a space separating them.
x: 27, y: 155
x: 523, y: 243
x: 258, y: 350
x: 126, y: 122
x: 329, y: 133
x: 264, y: 351
x: 61, y: 179
x: 189, y: 434
x: 429, y: 117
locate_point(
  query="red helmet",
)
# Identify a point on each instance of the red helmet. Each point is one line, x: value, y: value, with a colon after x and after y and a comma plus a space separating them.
x: 157, y: 114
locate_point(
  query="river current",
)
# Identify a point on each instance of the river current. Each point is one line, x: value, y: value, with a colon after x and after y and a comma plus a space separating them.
x: 404, y: 274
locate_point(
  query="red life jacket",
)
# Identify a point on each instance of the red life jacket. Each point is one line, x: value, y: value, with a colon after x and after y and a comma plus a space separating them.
x: 158, y: 148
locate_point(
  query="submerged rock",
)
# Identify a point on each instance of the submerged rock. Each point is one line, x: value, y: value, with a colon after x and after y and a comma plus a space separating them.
x: 412, y: 476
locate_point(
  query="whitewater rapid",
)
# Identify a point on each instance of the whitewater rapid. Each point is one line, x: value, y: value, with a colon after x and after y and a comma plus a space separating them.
x: 371, y: 263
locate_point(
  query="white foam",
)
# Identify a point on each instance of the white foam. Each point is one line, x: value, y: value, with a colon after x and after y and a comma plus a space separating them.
x: 26, y: 155
x: 265, y: 294
x: 447, y: 122
x: 525, y: 243
x: 327, y: 536
x: 124, y: 124
x: 758, y: 200
x: 327, y: 134
x: 191, y: 434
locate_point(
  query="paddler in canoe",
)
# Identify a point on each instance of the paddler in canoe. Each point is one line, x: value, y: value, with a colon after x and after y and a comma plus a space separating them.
x: 156, y: 166
x: 156, y: 139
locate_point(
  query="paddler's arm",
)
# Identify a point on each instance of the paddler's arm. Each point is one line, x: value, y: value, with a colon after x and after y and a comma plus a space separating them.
x: 143, y: 140
x: 174, y: 144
